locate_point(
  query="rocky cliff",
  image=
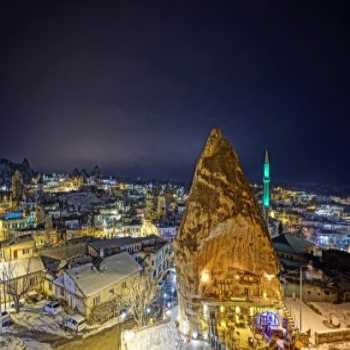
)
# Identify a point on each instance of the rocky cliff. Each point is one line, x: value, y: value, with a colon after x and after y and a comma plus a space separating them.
x: 8, y: 168
x: 223, y: 249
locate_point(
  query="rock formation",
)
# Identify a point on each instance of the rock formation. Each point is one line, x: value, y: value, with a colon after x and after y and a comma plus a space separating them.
x: 223, y: 250
x: 8, y: 168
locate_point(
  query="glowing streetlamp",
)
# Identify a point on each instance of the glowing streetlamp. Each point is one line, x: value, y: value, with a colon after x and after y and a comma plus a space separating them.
x: 269, y: 276
x: 205, y: 276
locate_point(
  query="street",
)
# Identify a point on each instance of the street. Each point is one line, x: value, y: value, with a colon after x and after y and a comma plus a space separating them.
x: 106, y: 340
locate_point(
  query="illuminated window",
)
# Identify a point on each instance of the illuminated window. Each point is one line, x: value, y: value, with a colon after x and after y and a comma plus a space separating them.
x: 205, y: 276
x: 96, y: 300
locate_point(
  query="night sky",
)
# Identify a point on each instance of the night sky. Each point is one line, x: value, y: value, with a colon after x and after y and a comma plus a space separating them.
x: 136, y: 86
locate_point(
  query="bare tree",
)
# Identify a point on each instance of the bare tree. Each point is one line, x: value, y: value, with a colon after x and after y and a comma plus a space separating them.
x: 16, y: 279
x: 143, y: 291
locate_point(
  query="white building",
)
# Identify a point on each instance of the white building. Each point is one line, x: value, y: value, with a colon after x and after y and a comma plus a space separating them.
x: 85, y: 287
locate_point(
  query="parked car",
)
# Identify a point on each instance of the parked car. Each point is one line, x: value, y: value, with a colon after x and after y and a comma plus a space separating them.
x: 5, y: 319
x: 52, y: 308
x: 154, y: 311
x: 123, y: 315
x: 75, y: 323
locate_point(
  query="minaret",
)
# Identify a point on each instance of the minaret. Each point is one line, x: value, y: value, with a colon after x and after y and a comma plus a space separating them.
x: 266, y: 181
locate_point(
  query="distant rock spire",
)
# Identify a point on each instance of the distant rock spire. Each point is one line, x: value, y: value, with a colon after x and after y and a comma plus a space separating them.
x: 26, y: 163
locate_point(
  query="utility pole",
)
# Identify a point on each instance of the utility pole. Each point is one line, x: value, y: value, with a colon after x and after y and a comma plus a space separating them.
x: 301, y: 299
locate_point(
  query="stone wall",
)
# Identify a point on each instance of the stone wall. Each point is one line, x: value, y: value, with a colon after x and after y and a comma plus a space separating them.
x: 332, y: 336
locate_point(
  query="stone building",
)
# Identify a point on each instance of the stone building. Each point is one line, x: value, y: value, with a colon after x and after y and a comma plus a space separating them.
x: 154, y: 254
x: 85, y: 288
x: 226, y: 267
x: 13, y: 222
x: 21, y: 248
x: 19, y: 277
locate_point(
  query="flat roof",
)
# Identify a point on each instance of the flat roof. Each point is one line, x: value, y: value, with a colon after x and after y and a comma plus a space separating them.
x: 120, y: 241
x: 68, y: 251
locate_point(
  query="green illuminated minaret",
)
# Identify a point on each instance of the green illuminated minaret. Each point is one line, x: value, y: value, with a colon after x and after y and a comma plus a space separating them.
x: 266, y: 181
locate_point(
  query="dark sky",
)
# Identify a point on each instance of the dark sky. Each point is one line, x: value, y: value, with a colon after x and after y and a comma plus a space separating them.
x: 136, y: 86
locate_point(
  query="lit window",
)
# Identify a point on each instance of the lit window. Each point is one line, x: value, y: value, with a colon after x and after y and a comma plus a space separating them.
x: 96, y: 300
x: 205, y: 277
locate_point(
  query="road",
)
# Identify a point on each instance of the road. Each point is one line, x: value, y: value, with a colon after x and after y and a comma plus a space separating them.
x: 106, y: 340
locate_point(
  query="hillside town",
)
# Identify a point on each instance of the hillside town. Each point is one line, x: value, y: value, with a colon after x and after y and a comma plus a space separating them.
x: 174, y: 175
x: 83, y: 252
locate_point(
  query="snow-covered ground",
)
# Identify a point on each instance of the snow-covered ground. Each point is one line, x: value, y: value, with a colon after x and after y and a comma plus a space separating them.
x: 32, y: 344
x: 160, y: 337
x: 33, y: 318
x: 12, y: 342
x: 340, y: 311
x: 32, y: 328
x: 315, y: 322
x: 310, y: 319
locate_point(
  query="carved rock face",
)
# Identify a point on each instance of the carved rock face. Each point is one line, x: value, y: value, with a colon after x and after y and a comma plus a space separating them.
x: 223, y: 249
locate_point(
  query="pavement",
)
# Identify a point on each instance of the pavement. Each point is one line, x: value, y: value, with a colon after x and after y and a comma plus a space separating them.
x: 160, y: 337
x: 32, y: 318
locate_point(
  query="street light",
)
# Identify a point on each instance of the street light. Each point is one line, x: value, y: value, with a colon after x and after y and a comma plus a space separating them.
x: 301, y: 295
x: 301, y: 298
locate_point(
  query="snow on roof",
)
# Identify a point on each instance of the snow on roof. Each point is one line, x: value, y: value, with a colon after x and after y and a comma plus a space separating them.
x: 114, y: 242
x: 112, y: 270
x: 84, y: 200
x: 294, y: 243
x: 77, y: 317
x: 19, y: 268
x: 121, y: 241
x: 65, y: 252
x: 291, y: 263
x: 13, y: 215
